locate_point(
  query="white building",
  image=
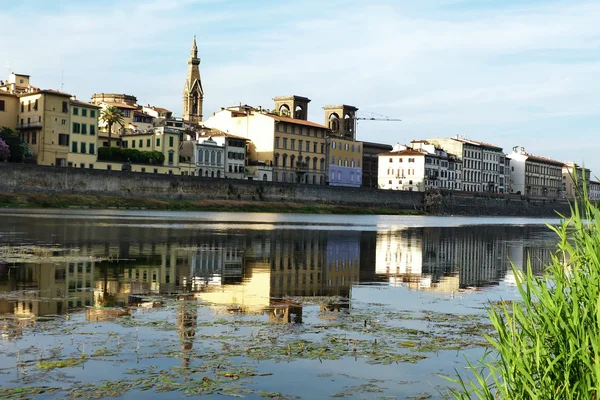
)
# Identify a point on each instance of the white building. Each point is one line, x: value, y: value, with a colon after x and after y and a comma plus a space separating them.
x: 210, y: 158
x: 235, y: 152
x: 533, y: 175
x: 402, y: 170
x: 594, y: 190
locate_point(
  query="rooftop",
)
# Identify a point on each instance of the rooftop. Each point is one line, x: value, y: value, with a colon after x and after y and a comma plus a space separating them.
x: 295, y: 121
x: 84, y: 104
x: 46, y: 91
x: 118, y: 105
x: 407, y: 152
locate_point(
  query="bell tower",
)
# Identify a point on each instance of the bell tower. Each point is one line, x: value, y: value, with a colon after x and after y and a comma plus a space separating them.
x: 292, y: 106
x: 193, y: 95
x: 341, y: 119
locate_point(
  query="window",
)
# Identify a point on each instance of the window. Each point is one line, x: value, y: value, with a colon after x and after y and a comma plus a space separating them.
x: 322, y: 148
x: 92, y: 130
x: 141, y: 143
x: 63, y: 122
x: 148, y: 142
x: 92, y: 148
x: 63, y: 139
x: 84, y: 112
x: 83, y: 148
x: 307, y: 145
x: 83, y: 129
x: 75, y: 111
x: 277, y: 141
x: 133, y: 144
x: 93, y: 113
x: 315, y: 147
x: 333, y: 145
x: 293, y: 144
x: 170, y: 141
x: 126, y: 113
x: 333, y: 160
x: 65, y: 107
x: 285, y: 143
x: 76, y: 127
x: 29, y: 105
x: 74, y: 147
x: 33, y: 137
x: 2, y: 105
x: 157, y: 142
x: 81, y: 165
x: 170, y: 157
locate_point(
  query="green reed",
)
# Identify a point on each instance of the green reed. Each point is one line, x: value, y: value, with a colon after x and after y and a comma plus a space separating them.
x: 547, y: 346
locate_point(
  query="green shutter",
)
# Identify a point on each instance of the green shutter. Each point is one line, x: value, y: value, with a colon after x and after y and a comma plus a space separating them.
x: 92, y: 148
x: 74, y: 147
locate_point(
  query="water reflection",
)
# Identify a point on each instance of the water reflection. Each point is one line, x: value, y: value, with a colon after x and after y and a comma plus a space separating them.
x: 250, y: 271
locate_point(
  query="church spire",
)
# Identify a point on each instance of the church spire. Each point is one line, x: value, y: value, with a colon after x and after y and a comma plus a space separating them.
x: 193, y: 94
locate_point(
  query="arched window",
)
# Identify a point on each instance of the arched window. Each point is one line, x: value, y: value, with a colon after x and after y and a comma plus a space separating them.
x: 200, y: 156
x: 218, y: 174
x: 276, y: 160
x: 322, y: 164
x: 334, y: 122
x: 219, y: 158
x: 206, y: 173
x: 212, y: 174
x: 212, y: 157
x: 292, y: 161
x: 314, y: 162
x: 348, y: 123
x: 346, y: 162
x: 339, y: 162
x: 352, y: 163
x: 200, y: 172
x: 284, y: 110
x: 264, y: 177
x: 284, y: 164
x: 299, y: 112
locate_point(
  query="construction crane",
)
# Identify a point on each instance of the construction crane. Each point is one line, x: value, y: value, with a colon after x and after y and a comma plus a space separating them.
x: 379, y: 118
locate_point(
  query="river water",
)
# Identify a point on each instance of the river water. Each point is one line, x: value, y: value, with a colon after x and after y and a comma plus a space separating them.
x: 139, y: 304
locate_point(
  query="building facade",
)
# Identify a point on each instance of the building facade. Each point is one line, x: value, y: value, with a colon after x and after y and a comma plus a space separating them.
x: 83, y: 135
x: 533, y: 175
x: 402, y: 170
x: 294, y: 147
x: 573, y: 176
x: 370, y: 162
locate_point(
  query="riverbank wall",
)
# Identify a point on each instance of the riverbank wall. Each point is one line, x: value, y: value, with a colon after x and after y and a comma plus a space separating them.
x: 24, y: 178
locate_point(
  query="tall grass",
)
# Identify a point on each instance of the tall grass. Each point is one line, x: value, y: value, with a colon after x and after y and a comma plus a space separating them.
x: 547, y: 346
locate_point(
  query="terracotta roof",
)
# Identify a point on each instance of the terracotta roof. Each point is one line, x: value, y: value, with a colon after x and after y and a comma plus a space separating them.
x: 46, y: 91
x: 477, y: 143
x: 544, y: 159
x: 160, y: 109
x: 119, y: 105
x: 83, y: 103
x: 218, y: 133
x: 295, y: 121
x: 407, y: 152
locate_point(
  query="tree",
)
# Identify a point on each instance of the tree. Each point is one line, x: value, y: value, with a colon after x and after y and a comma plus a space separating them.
x: 19, y: 150
x: 4, y: 151
x: 111, y: 115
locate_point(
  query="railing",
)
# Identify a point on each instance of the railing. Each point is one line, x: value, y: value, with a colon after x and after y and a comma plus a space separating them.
x: 26, y: 125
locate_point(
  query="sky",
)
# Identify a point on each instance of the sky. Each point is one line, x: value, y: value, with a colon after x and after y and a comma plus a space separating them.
x: 507, y: 72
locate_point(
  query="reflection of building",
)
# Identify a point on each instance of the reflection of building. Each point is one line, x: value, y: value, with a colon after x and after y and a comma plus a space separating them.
x: 448, y: 259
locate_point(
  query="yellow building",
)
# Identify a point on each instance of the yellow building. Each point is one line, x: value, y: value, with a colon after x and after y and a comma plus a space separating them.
x: 163, y: 139
x: 84, y: 132
x: 294, y: 147
x: 43, y: 123
x: 125, y: 103
x: 9, y: 106
x: 344, y: 153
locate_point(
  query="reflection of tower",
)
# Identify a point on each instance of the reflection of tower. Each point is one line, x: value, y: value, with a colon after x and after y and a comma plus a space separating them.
x: 187, y: 322
x: 341, y: 262
x: 283, y: 313
x: 193, y: 94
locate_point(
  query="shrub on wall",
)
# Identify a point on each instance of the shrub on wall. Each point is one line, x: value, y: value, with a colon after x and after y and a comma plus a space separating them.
x: 133, y: 156
x: 19, y: 151
x: 4, y: 151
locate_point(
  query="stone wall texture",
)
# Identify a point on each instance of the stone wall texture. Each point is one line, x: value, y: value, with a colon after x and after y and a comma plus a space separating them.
x: 33, y: 178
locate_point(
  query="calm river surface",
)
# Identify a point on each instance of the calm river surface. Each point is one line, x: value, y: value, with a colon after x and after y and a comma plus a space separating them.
x: 139, y: 304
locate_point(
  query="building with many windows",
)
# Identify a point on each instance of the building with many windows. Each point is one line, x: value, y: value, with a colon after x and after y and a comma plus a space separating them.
x: 573, y: 176
x: 403, y: 169
x: 83, y: 135
x: 370, y: 162
x: 480, y: 163
x: 534, y: 175
x: 294, y: 147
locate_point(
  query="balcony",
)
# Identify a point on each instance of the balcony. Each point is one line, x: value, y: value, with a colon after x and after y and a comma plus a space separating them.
x: 301, y: 166
x: 29, y: 125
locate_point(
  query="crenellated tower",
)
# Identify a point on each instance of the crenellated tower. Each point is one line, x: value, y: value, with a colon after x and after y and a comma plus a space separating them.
x: 193, y: 95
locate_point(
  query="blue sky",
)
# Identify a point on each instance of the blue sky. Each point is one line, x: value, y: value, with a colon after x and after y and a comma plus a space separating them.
x: 507, y: 72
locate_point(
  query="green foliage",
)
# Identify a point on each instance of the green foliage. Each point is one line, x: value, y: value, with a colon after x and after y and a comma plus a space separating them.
x: 111, y: 115
x: 134, y: 156
x: 4, y: 151
x: 547, y: 346
x: 19, y: 151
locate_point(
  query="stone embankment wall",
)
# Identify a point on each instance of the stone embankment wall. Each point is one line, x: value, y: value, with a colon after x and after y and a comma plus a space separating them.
x: 38, y: 179
x: 460, y: 203
x: 33, y: 178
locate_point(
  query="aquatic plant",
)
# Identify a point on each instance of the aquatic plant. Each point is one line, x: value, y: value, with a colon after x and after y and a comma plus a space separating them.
x: 547, y: 346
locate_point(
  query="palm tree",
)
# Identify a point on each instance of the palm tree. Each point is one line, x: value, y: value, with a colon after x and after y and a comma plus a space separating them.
x: 111, y: 115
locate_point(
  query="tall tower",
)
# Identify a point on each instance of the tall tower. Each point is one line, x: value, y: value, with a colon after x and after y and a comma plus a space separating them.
x: 341, y: 119
x: 193, y: 95
x: 292, y: 106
